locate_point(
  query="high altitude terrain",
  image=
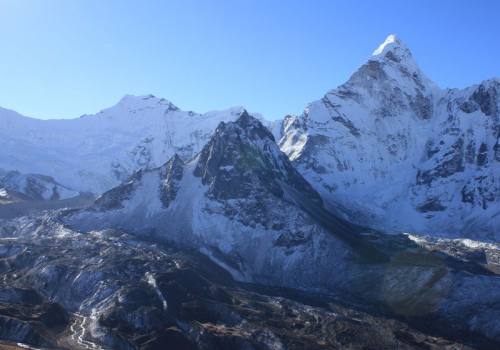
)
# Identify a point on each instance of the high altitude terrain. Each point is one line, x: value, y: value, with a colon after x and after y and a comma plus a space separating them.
x: 109, y: 275
x: 225, y: 231
x: 391, y: 149
x: 388, y: 148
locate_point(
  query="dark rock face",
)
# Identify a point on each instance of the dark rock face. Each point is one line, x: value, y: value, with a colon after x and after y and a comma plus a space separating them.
x: 482, y: 156
x: 481, y: 191
x: 452, y: 163
x: 468, y: 106
x: 421, y: 105
x: 470, y: 153
x: 484, y: 98
x: 170, y: 175
x: 496, y: 147
x: 114, y: 198
x: 432, y: 205
x: 25, y: 316
x: 242, y: 162
x: 231, y: 164
x: 487, y: 99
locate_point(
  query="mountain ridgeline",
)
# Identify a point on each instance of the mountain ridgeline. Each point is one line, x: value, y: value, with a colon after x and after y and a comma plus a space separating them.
x: 378, y: 206
x: 242, y: 204
x: 388, y: 149
x: 391, y: 150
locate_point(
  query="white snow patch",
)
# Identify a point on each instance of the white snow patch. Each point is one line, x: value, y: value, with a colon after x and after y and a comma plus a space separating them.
x: 150, y: 278
x: 236, y: 274
x: 227, y: 167
x: 3, y: 193
x: 390, y: 40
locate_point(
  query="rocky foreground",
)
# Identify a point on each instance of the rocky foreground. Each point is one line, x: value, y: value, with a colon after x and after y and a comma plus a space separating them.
x: 107, y: 289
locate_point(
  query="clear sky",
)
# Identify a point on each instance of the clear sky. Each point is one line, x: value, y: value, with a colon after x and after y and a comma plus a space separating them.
x: 65, y: 58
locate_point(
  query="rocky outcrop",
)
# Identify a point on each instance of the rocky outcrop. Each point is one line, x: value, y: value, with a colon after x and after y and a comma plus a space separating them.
x: 242, y: 163
x: 114, y: 198
x: 170, y: 174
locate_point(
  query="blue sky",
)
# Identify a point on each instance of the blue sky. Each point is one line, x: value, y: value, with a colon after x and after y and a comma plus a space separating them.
x: 66, y: 58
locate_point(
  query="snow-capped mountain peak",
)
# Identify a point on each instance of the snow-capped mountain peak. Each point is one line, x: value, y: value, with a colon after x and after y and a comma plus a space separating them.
x: 392, y: 149
x: 242, y: 159
x: 399, y: 63
x: 134, y: 104
x: 395, y: 51
x: 96, y: 152
x: 392, y: 44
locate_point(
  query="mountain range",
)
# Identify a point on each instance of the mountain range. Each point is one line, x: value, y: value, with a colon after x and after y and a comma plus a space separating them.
x: 387, y: 149
x: 377, y: 207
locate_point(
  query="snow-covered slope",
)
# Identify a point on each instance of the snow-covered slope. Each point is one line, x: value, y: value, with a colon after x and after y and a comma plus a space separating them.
x: 242, y: 203
x: 16, y: 186
x: 96, y: 152
x: 387, y: 149
x: 238, y: 199
x: 392, y: 150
